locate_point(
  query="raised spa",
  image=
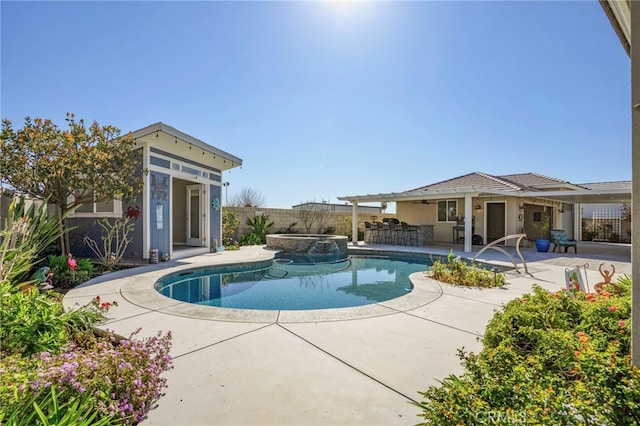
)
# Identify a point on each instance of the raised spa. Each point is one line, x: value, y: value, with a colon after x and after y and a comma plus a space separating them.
x: 309, y: 248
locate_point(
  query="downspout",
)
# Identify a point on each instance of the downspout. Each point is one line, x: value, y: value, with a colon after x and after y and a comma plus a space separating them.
x: 354, y: 224
x: 468, y: 223
x: 635, y: 181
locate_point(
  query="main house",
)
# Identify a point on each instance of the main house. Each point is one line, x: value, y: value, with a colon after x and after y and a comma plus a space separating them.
x: 178, y: 213
x: 495, y: 206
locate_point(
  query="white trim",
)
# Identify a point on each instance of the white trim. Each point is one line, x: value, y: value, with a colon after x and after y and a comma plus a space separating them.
x: 171, y: 131
x: 447, y: 201
x: 623, y: 16
x: 206, y: 218
x: 179, y: 172
x: 146, y: 201
x: 171, y: 214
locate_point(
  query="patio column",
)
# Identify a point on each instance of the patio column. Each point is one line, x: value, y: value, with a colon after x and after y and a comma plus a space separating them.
x: 468, y: 223
x: 354, y: 224
x: 635, y: 182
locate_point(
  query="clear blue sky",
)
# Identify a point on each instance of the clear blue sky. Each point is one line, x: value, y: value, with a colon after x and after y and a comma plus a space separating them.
x: 326, y: 99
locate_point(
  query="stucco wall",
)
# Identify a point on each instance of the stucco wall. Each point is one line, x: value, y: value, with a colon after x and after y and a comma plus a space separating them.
x: 516, y: 220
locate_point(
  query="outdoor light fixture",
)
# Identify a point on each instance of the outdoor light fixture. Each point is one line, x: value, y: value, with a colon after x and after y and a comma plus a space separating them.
x: 478, y: 207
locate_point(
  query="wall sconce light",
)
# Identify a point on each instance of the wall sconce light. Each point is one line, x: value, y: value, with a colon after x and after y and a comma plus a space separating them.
x: 478, y: 207
x: 562, y: 207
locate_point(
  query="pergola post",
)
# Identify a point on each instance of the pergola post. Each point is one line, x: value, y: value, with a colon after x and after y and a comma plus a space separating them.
x: 354, y: 224
x: 468, y: 223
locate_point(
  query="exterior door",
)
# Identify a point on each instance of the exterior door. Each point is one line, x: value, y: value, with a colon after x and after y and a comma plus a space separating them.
x: 194, y: 215
x: 496, y: 222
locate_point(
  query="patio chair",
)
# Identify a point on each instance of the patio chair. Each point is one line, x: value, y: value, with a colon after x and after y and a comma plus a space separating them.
x: 559, y: 239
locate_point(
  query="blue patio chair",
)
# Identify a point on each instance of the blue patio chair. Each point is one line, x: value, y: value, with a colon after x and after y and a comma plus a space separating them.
x: 559, y: 239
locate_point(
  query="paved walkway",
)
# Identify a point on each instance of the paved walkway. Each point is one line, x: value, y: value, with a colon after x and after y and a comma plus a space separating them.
x: 351, y: 366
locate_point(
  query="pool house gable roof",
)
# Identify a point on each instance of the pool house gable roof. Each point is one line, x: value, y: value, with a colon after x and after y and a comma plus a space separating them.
x: 170, y: 140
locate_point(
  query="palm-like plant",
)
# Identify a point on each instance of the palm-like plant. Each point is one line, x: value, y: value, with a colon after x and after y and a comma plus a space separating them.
x: 26, y: 234
x: 260, y: 226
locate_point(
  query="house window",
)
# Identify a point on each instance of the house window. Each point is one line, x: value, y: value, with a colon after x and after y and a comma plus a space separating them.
x: 447, y: 211
x: 109, y: 208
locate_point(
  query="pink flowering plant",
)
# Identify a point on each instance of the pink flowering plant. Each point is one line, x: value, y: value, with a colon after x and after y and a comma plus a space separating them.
x: 123, y: 379
x: 44, y: 346
x: 33, y: 322
x: 547, y: 358
x: 56, y: 367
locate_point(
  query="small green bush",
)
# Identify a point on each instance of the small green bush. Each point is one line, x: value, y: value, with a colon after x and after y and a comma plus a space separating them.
x: 250, y: 239
x: 33, y: 322
x: 46, y: 408
x: 64, y: 277
x: 230, y: 224
x: 459, y: 272
x: 547, y: 358
x: 260, y: 227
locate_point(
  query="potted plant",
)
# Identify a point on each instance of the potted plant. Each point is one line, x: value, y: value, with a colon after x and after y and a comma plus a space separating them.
x: 542, y: 228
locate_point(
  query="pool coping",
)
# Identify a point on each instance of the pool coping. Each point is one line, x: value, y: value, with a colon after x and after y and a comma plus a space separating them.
x: 137, y: 287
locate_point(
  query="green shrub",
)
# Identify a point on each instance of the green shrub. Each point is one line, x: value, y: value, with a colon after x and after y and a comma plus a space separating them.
x: 547, y: 358
x: 329, y: 230
x: 32, y: 322
x: 46, y: 408
x: 291, y: 229
x: 230, y: 224
x: 250, y: 239
x: 64, y: 277
x: 26, y: 233
x: 459, y: 272
x: 260, y: 227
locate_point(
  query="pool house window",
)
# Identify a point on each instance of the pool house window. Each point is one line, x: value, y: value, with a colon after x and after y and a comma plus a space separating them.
x: 447, y: 211
x: 108, y: 208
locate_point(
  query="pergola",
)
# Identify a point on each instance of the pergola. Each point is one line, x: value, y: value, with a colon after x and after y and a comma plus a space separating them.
x: 619, y: 192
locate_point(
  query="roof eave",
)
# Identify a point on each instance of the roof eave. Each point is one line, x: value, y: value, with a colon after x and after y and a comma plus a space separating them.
x: 619, y: 14
x: 162, y: 127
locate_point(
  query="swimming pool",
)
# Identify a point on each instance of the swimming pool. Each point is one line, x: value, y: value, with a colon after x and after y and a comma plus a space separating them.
x: 281, y: 285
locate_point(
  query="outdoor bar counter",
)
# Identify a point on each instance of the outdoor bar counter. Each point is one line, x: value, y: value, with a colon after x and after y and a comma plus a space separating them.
x: 413, y: 235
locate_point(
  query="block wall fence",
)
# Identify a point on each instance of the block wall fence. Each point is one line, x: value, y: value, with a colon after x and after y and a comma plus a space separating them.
x: 283, y: 218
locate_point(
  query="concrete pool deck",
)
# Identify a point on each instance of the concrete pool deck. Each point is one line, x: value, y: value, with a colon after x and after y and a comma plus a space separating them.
x: 350, y: 366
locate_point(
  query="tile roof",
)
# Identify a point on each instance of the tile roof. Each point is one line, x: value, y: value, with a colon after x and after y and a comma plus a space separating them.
x: 515, y: 182
x: 603, y: 186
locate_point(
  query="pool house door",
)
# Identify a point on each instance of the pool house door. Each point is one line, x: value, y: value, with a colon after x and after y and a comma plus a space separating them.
x: 195, y: 215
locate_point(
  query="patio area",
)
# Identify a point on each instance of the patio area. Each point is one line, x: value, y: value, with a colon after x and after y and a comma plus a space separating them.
x: 351, y: 366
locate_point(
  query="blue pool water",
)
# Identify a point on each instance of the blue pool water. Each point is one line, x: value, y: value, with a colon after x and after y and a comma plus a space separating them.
x: 281, y: 285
